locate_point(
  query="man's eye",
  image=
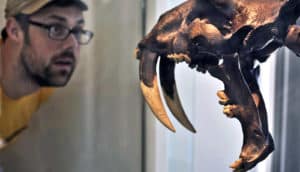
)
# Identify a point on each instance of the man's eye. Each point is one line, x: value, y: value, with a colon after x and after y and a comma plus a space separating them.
x: 58, y: 30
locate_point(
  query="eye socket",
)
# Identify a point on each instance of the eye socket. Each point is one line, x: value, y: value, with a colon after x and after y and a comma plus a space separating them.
x: 200, y: 41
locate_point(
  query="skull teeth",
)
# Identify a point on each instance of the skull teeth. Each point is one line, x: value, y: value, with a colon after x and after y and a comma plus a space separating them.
x: 224, y: 100
x: 231, y: 110
x: 179, y: 57
x: 236, y: 164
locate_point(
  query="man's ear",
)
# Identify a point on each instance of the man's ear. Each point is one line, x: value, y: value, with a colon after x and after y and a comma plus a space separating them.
x: 14, y: 30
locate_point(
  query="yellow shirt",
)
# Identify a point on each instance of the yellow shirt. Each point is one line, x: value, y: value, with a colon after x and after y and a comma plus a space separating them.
x: 15, y: 114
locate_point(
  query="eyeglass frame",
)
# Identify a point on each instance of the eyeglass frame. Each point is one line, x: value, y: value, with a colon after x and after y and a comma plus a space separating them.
x: 70, y: 31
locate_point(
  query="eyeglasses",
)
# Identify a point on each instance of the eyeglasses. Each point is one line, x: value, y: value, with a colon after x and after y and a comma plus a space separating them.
x: 60, y: 32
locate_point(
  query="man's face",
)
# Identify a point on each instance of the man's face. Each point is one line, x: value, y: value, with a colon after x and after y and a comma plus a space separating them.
x: 51, y: 62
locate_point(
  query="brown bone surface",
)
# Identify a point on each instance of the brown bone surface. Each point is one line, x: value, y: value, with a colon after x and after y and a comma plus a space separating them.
x: 225, y: 38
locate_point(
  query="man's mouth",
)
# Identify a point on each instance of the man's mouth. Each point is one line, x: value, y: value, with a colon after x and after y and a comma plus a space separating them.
x: 64, y: 61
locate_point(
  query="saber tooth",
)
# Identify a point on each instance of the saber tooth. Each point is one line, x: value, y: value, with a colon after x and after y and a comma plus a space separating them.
x: 149, y: 87
x: 169, y: 89
x: 153, y: 99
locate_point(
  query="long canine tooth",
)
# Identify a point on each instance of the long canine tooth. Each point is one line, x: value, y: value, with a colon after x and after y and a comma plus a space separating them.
x: 149, y: 87
x: 166, y: 68
x: 153, y: 99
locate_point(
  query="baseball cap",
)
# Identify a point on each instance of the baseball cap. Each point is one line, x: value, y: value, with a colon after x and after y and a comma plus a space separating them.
x: 14, y: 7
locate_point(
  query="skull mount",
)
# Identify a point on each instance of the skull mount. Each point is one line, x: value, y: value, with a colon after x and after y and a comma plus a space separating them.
x: 225, y: 38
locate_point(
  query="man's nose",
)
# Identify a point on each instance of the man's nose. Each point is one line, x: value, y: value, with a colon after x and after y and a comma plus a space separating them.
x: 71, y: 42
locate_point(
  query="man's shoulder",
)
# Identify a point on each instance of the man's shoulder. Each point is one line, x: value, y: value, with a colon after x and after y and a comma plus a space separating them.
x: 16, y: 114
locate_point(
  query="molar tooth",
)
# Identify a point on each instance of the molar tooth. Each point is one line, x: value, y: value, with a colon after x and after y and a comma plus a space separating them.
x: 227, y: 112
x: 236, y: 164
x: 223, y: 102
x: 222, y: 95
x: 179, y: 57
x: 231, y: 110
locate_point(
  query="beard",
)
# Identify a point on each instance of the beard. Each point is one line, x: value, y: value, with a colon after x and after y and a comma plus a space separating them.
x: 54, y: 73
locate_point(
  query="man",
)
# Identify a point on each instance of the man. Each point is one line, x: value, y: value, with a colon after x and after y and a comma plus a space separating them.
x: 40, y: 48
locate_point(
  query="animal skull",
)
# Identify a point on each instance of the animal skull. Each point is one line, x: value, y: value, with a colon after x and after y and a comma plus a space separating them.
x: 225, y: 38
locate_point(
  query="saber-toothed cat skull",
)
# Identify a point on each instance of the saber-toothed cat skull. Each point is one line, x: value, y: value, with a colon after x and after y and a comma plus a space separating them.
x: 225, y: 38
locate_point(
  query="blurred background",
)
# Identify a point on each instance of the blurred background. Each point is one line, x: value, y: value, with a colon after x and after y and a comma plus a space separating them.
x: 100, y: 123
